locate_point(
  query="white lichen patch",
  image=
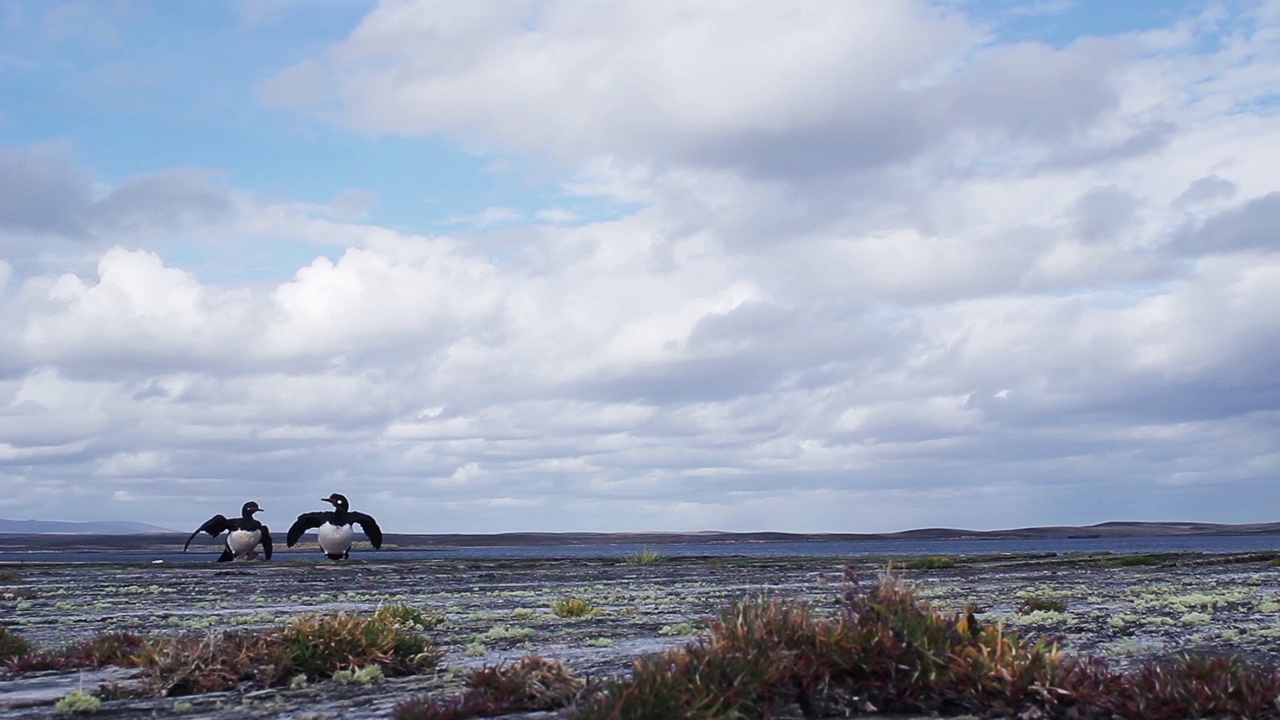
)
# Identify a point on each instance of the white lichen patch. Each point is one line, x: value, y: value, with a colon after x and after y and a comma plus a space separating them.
x: 504, y: 632
x: 1042, y: 617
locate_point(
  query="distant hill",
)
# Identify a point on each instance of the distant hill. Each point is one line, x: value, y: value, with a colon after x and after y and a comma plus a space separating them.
x: 100, y: 527
x: 1101, y: 530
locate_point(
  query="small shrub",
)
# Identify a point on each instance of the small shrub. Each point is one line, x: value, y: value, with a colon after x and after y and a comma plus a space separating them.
x: 106, y: 649
x: 309, y: 647
x: 531, y: 684
x: 318, y: 645
x: 929, y: 562
x: 886, y: 652
x: 1189, y: 686
x: 12, y: 646
x: 574, y: 607
x: 646, y: 556
x: 191, y: 664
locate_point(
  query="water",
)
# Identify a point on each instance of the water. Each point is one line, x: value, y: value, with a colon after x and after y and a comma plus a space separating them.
x: 814, y: 548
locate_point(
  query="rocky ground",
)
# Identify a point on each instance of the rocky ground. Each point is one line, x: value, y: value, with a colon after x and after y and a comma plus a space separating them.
x: 494, y: 611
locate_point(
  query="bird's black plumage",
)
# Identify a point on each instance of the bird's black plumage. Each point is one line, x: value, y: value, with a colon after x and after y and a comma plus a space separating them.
x: 219, y: 524
x: 338, y: 518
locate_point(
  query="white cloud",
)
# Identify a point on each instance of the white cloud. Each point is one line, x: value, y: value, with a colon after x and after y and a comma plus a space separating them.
x: 879, y: 269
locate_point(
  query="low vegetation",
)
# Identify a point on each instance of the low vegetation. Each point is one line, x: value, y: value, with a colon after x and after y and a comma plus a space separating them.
x: 12, y: 645
x: 1042, y: 603
x: 646, y: 556
x: 928, y: 562
x: 1140, y: 560
x: 884, y: 651
x: 574, y: 607
x: 78, y: 702
x: 879, y: 649
x: 312, y: 647
x: 531, y: 684
x: 106, y: 649
x: 362, y: 649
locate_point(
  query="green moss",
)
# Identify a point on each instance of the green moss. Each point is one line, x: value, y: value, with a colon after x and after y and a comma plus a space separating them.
x: 504, y: 632
x: 929, y: 562
x: 1140, y: 560
x: 78, y: 702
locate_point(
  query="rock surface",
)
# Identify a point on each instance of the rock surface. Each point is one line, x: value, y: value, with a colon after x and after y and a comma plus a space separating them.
x: 495, y: 611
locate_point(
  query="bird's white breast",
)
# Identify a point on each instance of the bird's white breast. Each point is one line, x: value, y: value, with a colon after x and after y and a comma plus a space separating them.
x: 242, y: 541
x: 335, y: 540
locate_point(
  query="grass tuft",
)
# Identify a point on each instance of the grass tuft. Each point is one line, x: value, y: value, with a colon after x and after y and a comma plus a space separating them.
x: 1042, y: 603
x: 318, y: 645
x: 409, y: 617
x: 10, y: 576
x: 310, y: 647
x: 574, y: 607
x: 646, y: 556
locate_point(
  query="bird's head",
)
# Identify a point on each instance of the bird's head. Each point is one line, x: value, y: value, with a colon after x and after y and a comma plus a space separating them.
x: 250, y: 508
x: 336, y: 500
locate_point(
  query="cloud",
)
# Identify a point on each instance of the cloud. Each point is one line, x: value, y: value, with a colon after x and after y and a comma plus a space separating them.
x: 1249, y: 226
x: 42, y: 191
x: 1206, y: 189
x: 653, y: 81
x: 50, y: 205
x: 163, y: 201
x: 863, y: 267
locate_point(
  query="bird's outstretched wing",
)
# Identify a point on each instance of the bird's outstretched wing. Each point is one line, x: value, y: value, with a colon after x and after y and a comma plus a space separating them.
x: 305, y: 522
x: 266, y: 542
x: 215, y: 526
x: 369, y: 526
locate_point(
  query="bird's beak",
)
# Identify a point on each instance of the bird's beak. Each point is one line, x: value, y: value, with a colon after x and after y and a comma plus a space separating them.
x: 328, y: 500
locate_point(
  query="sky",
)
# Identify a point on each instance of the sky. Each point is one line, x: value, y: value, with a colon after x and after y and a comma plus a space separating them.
x: 667, y: 265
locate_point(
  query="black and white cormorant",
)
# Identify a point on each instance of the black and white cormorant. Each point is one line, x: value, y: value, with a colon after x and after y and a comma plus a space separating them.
x: 336, y: 528
x: 244, y: 534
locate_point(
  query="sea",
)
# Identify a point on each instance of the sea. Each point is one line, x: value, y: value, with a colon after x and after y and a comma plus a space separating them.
x: 781, y: 549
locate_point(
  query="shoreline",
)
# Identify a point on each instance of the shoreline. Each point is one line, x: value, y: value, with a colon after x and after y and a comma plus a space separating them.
x: 27, y: 542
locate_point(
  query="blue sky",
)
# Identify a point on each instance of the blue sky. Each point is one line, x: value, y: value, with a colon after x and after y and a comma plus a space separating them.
x: 562, y: 266
x: 138, y: 86
x: 146, y: 85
